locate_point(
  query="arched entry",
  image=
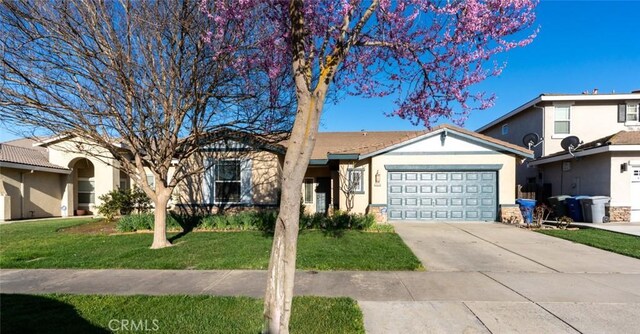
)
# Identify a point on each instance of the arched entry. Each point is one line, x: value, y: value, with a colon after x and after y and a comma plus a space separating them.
x: 83, y: 186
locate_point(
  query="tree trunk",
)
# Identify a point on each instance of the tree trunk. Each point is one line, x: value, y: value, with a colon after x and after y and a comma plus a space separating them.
x: 160, y: 221
x: 282, y: 264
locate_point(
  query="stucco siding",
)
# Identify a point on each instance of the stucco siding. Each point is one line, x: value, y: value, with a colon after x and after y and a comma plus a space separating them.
x: 587, y: 176
x: 589, y: 121
x: 621, y: 180
x: 265, y: 178
x: 42, y: 192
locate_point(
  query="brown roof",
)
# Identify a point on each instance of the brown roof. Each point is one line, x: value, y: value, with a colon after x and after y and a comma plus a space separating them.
x: 25, y: 156
x: 367, y: 142
x: 27, y: 143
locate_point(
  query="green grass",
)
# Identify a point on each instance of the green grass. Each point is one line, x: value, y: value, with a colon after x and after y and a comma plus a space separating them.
x: 615, y: 242
x: 41, y: 245
x: 169, y: 314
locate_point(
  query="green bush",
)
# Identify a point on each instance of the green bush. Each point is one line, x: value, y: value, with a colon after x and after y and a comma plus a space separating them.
x: 123, y: 202
x: 247, y: 220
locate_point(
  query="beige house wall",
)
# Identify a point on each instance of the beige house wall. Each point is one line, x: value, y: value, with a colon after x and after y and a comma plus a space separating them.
x: 360, y: 200
x: 621, y: 180
x: 590, y: 120
x: 42, y: 192
x: 265, y: 178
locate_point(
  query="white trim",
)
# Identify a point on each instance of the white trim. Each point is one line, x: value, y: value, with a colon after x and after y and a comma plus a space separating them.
x: 576, y: 97
x: 561, y: 135
x: 608, y: 148
x: 304, y: 190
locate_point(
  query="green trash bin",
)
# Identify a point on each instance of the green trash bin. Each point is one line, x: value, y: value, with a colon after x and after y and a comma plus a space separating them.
x: 558, y: 205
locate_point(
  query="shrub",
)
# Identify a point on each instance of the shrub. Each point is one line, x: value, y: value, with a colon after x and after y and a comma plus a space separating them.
x: 123, y: 202
x: 247, y: 220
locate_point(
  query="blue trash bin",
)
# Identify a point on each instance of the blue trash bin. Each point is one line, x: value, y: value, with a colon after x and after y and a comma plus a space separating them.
x: 574, y: 208
x: 527, y: 206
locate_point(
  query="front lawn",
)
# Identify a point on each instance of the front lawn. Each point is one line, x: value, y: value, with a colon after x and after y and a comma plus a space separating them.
x: 50, y: 244
x: 615, y: 242
x: 169, y: 314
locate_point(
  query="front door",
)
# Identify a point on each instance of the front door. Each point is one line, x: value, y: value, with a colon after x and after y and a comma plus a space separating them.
x: 323, y: 194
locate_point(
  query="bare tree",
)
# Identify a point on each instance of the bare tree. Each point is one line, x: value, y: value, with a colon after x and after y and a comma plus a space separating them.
x: 350, y: 182
x: 139, y: 79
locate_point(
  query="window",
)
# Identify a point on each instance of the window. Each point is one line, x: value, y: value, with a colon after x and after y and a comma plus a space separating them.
x: 308, y: 190
x: 562, y: 120
x: 86, y: 191
x: 227, y: 181
x: 355, y: 180
x: 151, y: 181
x: 505, y: 129
x: 632, y: 112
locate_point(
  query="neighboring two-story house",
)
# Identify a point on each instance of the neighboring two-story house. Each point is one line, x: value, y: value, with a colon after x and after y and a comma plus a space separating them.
x: 607, y: 162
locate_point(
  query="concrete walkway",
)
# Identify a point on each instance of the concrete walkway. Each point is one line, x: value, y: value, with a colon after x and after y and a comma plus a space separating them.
x: 481, y: 278
x: 625, y: 228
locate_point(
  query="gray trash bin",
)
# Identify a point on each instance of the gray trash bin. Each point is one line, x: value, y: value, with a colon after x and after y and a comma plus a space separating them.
x: 594, y: 208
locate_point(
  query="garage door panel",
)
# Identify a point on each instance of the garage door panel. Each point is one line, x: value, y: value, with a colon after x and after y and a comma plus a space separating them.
x: 441, y: 202
x: 426, y: 189
x: 395, y: 201
x: 411, y: 201
x: 454, y: 195
x: 426, y: 214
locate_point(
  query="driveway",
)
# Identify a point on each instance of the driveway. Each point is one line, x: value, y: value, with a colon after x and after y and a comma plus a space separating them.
x: 494, y: 278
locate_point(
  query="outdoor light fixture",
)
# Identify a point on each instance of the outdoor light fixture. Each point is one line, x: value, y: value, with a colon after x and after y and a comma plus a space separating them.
x: 377, y: 178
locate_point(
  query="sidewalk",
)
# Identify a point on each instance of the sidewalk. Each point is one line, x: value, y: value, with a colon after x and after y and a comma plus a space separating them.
x: 393, y: 302
x: 625, y: 228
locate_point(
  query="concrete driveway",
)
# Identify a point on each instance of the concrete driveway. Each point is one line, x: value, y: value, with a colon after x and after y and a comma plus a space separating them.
x: 494, y: 278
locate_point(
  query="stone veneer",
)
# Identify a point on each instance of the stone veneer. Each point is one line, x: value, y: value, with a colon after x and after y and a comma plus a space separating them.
x: 377, y: 211
x: 619, y: 213
x: 510, y: 213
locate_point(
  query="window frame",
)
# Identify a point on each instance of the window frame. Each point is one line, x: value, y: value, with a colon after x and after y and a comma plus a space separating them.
x: 636, y: 113
x: 91, y: 193
x: 305, y: 183
x: 216, y: 181
x: 567, y: 120
x: 350, y: 173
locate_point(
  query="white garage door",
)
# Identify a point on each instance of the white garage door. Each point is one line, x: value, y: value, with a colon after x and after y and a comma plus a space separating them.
x: 442, y: 195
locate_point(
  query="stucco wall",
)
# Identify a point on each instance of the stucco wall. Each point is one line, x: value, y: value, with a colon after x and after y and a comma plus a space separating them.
x: 590, y: 120
x: 42, y: 192
x: 106, y: 177
x: 265, y: 177
x: 588, y: 176
x: 621, y: 181
x: 360, y: 199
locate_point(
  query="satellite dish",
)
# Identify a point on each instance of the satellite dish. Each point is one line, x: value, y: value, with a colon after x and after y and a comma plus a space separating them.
x: 531, y: 140
x: 570, y: 144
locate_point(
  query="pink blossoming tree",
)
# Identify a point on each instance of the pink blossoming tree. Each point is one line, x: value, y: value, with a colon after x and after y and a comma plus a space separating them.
x: 426, y: 54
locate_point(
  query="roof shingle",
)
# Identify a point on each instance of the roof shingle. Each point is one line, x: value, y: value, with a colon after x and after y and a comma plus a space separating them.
x: 25, y: 156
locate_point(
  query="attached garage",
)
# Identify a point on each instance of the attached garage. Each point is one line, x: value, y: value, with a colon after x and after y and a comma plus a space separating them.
x: 446, y: 192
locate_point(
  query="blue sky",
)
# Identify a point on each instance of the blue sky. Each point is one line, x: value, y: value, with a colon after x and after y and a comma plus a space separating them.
x: 581, y: 45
